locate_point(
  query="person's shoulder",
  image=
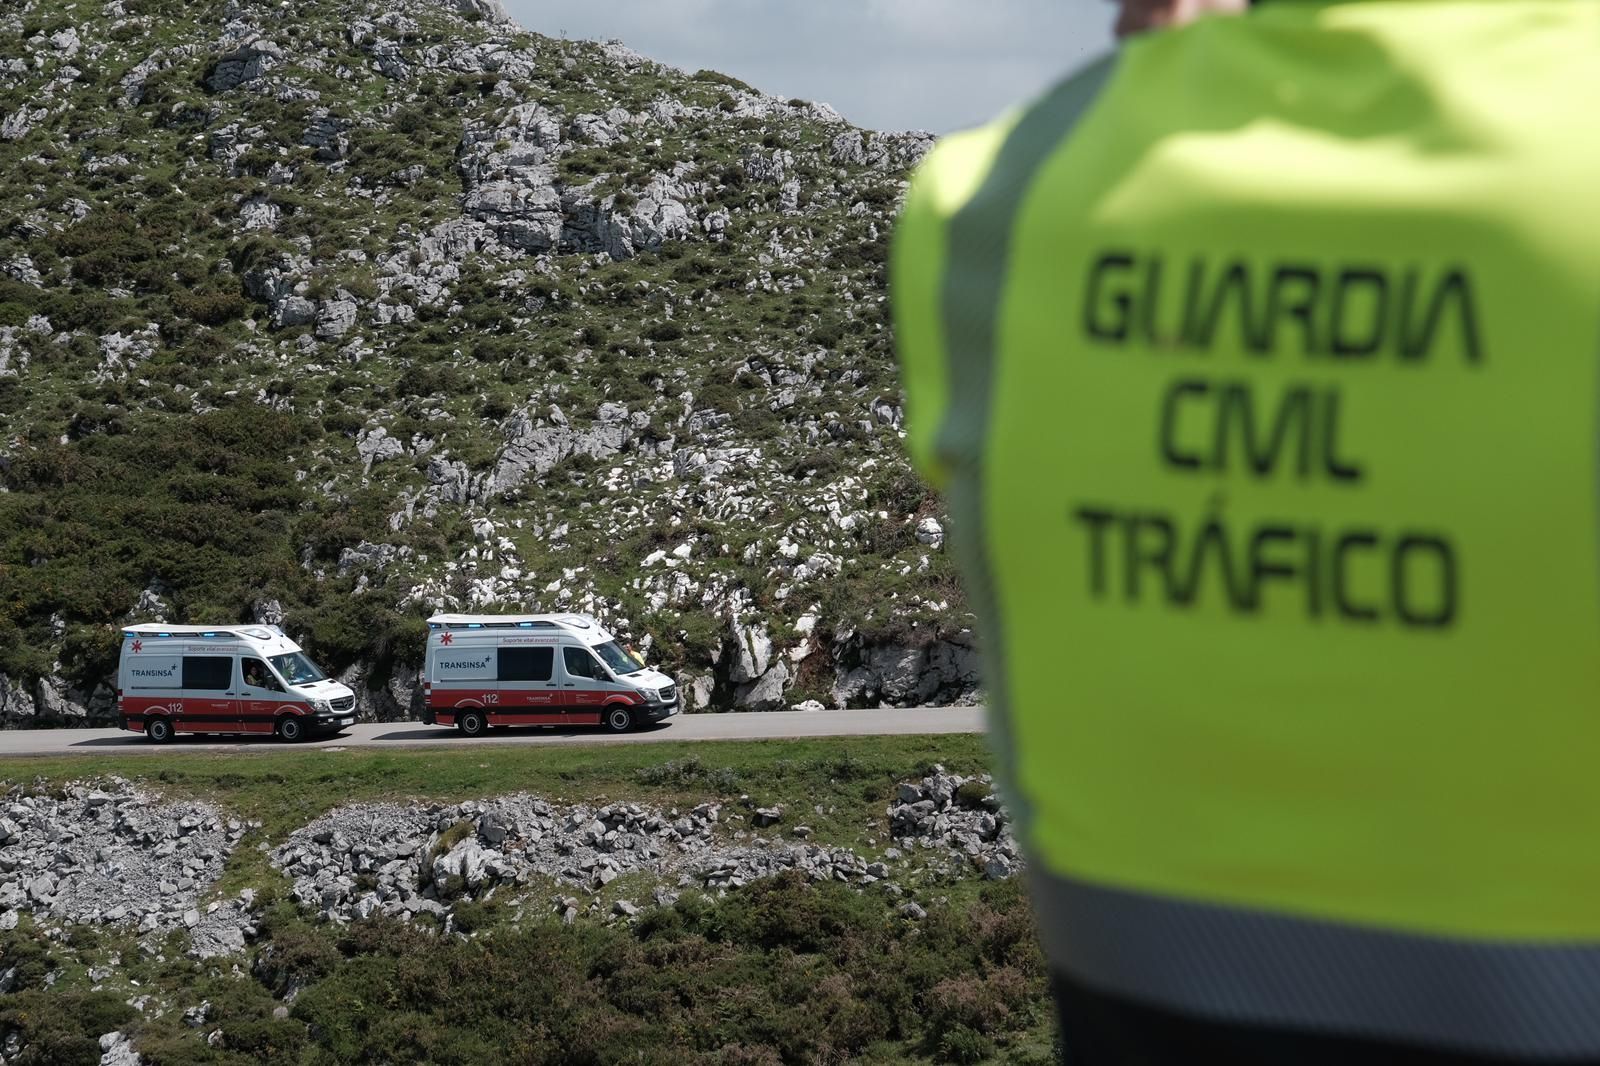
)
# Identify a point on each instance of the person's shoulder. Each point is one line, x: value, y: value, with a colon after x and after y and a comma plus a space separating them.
x: 952, y: 171
x: 959, y: 162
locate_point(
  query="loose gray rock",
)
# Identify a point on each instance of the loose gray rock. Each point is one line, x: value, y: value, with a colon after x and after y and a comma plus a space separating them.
x: 402, y: 849
x: 117, y: 1050
x: 335, y: 318
x: 488, y: 9
x: 930, y: 815
x: 21, y: 122
x: 244, y: 64
x: 375, y: 446
x: 294, y: 311
x: 110, y: 855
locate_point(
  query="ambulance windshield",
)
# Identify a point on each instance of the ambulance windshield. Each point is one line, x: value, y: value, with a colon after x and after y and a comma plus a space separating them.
x: 297, y: 669
x: 613, y: 655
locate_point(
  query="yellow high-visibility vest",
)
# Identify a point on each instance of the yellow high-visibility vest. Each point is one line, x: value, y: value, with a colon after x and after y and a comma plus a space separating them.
x: 1260, y: 366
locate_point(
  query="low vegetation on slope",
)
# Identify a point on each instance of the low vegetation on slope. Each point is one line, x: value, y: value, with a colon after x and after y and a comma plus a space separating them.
x: 341, y: 313
x: 779, y: 971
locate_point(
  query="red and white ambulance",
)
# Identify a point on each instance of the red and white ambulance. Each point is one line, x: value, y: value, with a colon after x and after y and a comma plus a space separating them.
x: 488, y: 671
x: 224, y: 679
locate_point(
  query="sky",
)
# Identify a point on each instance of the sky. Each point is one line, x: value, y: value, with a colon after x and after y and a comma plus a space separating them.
x: 938, y: 65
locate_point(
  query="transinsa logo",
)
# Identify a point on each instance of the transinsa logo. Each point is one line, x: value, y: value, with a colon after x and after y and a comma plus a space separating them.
x: 464, y: 664
x: 168, y: 672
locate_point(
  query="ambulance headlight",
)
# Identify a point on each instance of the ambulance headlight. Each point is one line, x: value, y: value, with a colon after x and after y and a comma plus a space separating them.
x: 321, y: 707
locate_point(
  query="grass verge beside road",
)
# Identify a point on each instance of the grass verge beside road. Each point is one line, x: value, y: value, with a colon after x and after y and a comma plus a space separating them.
x: 286, y: 789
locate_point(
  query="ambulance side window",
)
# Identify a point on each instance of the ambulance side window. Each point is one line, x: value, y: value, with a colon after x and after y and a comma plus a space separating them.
x: 208, y: 673
x: 256, y: 675
x: 527, y: 664
x: 579, y: 662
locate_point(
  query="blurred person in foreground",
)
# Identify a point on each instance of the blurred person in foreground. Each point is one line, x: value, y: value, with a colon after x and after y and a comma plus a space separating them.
x: 1259, y: 365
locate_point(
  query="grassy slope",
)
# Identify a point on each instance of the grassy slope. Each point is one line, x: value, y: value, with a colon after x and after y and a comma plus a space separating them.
x: 781, y: 972
x: 223, y: 469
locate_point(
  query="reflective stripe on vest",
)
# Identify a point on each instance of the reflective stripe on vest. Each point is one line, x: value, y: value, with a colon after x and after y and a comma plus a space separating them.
x: 1262, y: 969
x: 979, y: 242
x: 1269, y: 433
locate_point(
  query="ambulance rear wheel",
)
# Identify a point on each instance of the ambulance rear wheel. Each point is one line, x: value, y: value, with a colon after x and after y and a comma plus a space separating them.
x: 472, y: 723
x: 618, y: 719
x: 158, y: 730
x: 290, y: 730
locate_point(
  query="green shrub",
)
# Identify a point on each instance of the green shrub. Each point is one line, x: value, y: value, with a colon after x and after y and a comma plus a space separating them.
x: 962, y: 1045
x: 210, y: 308
x: 712, y: 77
x: 197, y: 502
x: 422, y: 381
x: 298, y: 954
x: 266, y: 1040
x: 973, y: 793
x: 982, y: 1004
x: 345, y: 422
x: 62, y: 1027
x: 472, y: 916
x: 781, y: 971
x: 25, y: 954
x: 691, y: 773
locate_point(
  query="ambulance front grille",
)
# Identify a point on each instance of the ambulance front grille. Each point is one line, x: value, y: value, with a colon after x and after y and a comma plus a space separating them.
x: 344, y: 703
x: 669, y: 693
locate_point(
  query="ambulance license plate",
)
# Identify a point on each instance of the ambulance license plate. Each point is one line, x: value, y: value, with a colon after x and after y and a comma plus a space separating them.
x: 347, y: 721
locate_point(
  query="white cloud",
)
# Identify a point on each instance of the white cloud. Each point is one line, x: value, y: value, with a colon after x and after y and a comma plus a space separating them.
x: 890, y: 64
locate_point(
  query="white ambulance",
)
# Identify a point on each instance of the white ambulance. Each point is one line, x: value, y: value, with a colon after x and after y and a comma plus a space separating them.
x: 224, y: 679
x: 488, y: 671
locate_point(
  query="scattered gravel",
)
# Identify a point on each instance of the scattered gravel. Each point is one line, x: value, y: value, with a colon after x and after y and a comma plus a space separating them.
x: 406, y: 860
x: 116, y: 856
x: 224, y: 926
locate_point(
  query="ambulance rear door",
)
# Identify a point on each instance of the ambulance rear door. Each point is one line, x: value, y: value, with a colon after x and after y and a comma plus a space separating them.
x: 210, y: 702
x: 529, y: 691
x: 464, y: 673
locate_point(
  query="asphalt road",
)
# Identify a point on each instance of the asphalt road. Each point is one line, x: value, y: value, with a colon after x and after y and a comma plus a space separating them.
x: 774, y: 725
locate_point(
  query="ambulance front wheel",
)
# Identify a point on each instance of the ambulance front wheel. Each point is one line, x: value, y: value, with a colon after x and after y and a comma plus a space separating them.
x: 472, y: 723
x: 158, y: 730
x: 618, y: 719
x: 290, y: 730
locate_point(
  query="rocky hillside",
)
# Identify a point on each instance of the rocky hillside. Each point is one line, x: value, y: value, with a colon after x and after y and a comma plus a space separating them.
x: 340, y: 313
